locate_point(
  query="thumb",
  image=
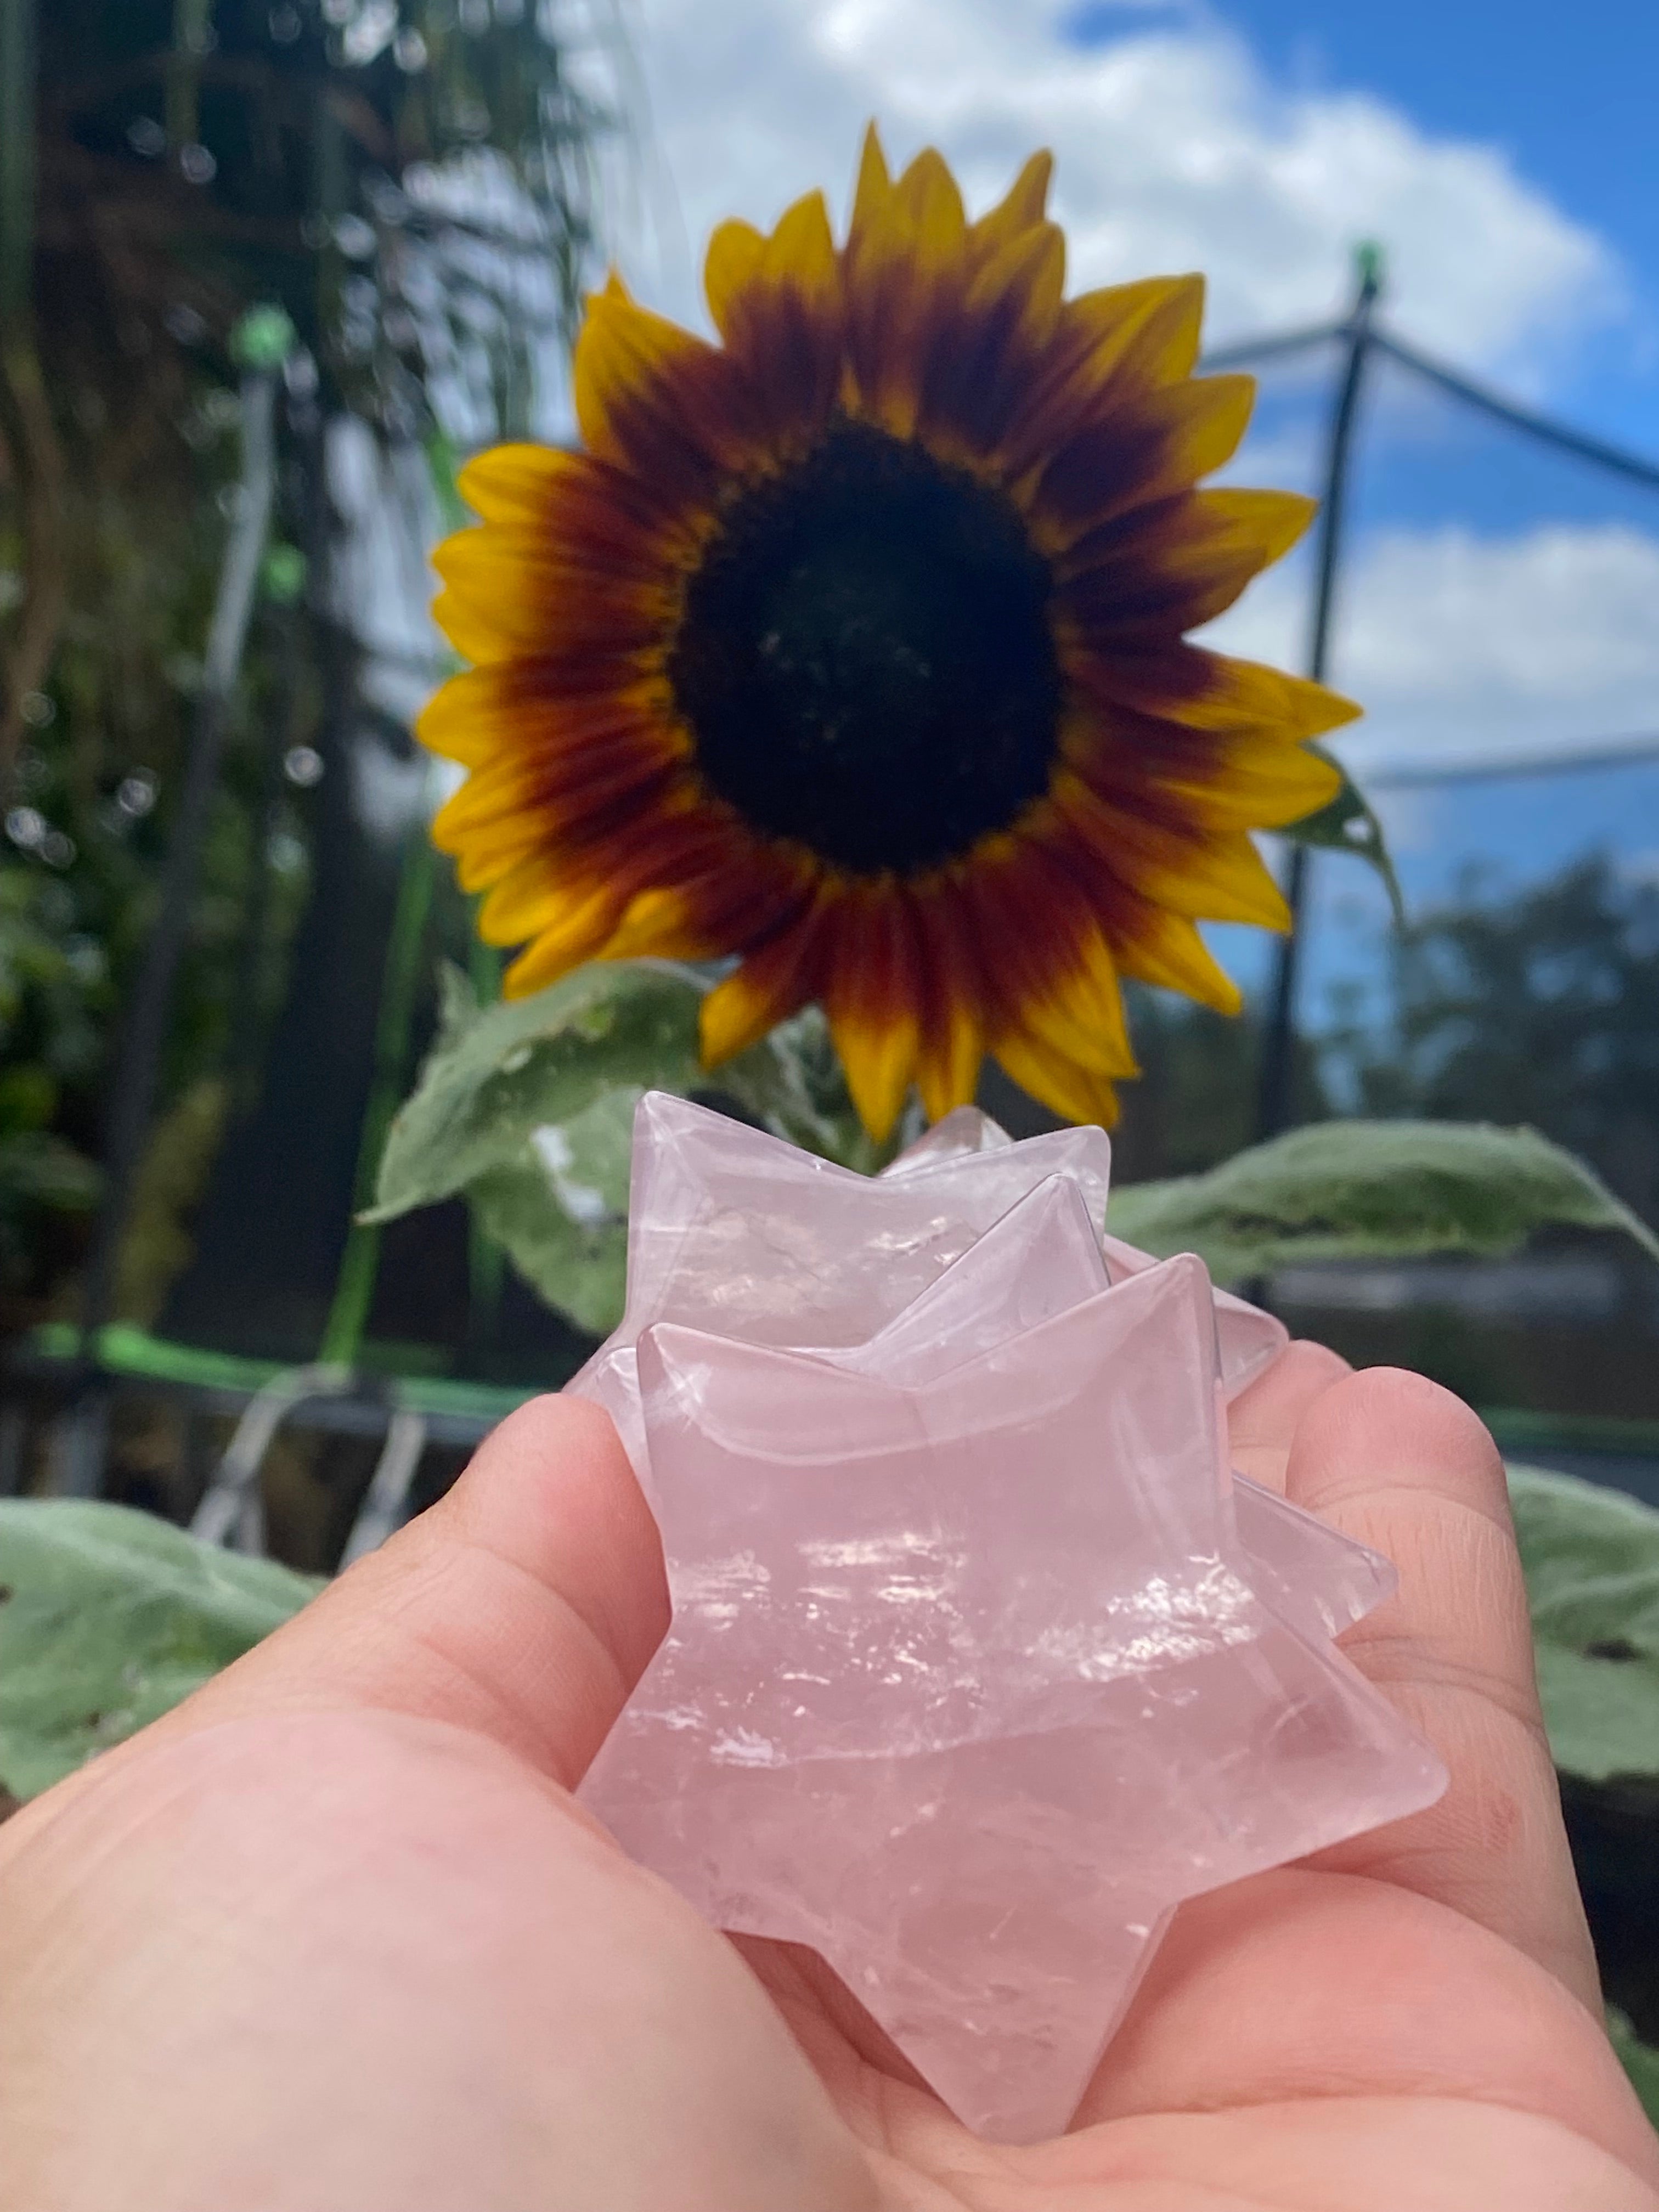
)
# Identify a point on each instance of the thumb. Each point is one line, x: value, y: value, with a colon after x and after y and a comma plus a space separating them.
x: 522, y: 1606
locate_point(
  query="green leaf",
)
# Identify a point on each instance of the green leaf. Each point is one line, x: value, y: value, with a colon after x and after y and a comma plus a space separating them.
x: 497, y: 1076
x: 111, y: 1617
x: 1640, y: 2060
x: 560, y: 1209
x: 1348, y: 824
x: 1591, y: 1558
x: 1356, y: 1189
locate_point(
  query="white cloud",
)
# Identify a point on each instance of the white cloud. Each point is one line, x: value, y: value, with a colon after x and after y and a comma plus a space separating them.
x: 1175, y: 152
x: 1463, y: 646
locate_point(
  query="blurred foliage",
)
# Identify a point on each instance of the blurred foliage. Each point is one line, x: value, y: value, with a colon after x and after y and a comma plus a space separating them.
x: 1541, y: 1006
x: 411, y: 181
x: 1591, y: 1557
x: 1357, y: 1189
x: 110, y: 1616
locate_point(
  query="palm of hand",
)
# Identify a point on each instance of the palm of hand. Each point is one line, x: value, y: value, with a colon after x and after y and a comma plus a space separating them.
x: 359, y: 1952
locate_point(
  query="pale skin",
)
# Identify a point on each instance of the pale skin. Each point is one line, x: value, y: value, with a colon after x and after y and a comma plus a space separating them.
x: 334, y: 1936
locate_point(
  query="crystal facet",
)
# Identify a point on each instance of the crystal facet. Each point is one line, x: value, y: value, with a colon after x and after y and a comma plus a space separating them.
x: 982, y: 1660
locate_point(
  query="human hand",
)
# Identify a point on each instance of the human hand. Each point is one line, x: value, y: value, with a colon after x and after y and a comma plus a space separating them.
x: 334, y: 1936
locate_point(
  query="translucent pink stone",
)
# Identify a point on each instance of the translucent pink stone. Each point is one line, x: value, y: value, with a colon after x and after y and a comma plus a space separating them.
x: 980, y: 1659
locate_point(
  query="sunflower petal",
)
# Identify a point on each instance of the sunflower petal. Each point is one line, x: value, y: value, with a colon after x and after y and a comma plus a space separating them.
x: 1258, y: 785
x: 903, y: 272
x: 1205, y: 691
x: 1108, y: 346
x: 952, y: 1042
x: 657, y: 400
x: 774, y: 982
x: 736, y: 252
x: 871, y: 995
x: 1140, y: 336
x: 873, y: 194
x: 1024, y: 208
x: 1159, y: 443
x: 517, y: 482
x: 513, y: 591
x: 930, y: 200
x: 1054, y: 974
x: 1076, y: 1093
x: 1190, y: 870
x: 458, y: 722
x: 777, y: 304
x: 1176, y: 563
x: 1164, y: 948
x: 559, y: 926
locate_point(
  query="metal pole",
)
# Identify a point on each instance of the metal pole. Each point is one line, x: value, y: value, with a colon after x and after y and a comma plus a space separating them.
x: 1275, y: 1103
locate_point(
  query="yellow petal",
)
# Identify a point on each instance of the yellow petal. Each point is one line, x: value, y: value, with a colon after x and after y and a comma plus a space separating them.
x: 1142, y: 335
x: 573, y: 931
x: 516, y: 483
x: 1155, y: 445
x: 647, y: 394
x: 1164, y: 948
x: 1217, y: 873
x: 1206, y: 691
x: 458, y: 721
x: 878, y: 1059
x: 1185, y: 559
x: 746, y: 1005
x: 873, y: 197
x: 949, y: 1055
x: 1023, y: 209
x: 1259, y: 785
x: 1075, y: 1093
x: 736, y: 252
x: 1080, y: 1013
x: 872, y: 1000
x: 929, y: 200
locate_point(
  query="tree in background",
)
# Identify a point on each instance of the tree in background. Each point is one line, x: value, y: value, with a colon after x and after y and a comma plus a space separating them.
x: 412, y: 182
x: 1538, y: 1006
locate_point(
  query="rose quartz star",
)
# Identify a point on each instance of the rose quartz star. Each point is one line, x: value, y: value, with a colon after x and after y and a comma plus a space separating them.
x: 736, y: 1231
x: 980, y: 1660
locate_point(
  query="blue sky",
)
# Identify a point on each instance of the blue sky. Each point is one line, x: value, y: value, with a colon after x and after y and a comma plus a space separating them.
x: 1570, y: 94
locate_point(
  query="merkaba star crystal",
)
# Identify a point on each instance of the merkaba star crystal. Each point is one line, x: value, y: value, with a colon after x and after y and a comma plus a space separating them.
x: 981, y: 1659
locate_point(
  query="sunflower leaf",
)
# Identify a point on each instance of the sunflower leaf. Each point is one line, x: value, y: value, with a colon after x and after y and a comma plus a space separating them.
x: 559, y: 1209
x: 502, y: 1074
x: 110, y: 1616
x: 1347, y: 824
x: 1591, y: 1558
x: 1357, y: 1190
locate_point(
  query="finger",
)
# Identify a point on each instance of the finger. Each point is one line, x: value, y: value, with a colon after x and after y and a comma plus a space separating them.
x: 1400, y: 1463
x: 522, y: 1606
x: 1261, y: 1421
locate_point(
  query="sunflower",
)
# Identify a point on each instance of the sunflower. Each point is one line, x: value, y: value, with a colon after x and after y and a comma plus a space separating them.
x: 853, y: 646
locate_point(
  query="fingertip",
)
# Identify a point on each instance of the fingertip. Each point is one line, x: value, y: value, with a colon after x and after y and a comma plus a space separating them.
x: 1389, y: 1428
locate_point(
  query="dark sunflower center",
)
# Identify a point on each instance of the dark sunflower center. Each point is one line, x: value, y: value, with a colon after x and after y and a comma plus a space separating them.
x: 864, y: 656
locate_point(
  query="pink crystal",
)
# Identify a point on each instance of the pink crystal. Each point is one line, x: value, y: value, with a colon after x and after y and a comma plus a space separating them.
x: 980, y: 1659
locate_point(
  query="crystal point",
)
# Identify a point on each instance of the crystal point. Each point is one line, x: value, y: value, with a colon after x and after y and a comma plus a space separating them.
x: 980, y: 1659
